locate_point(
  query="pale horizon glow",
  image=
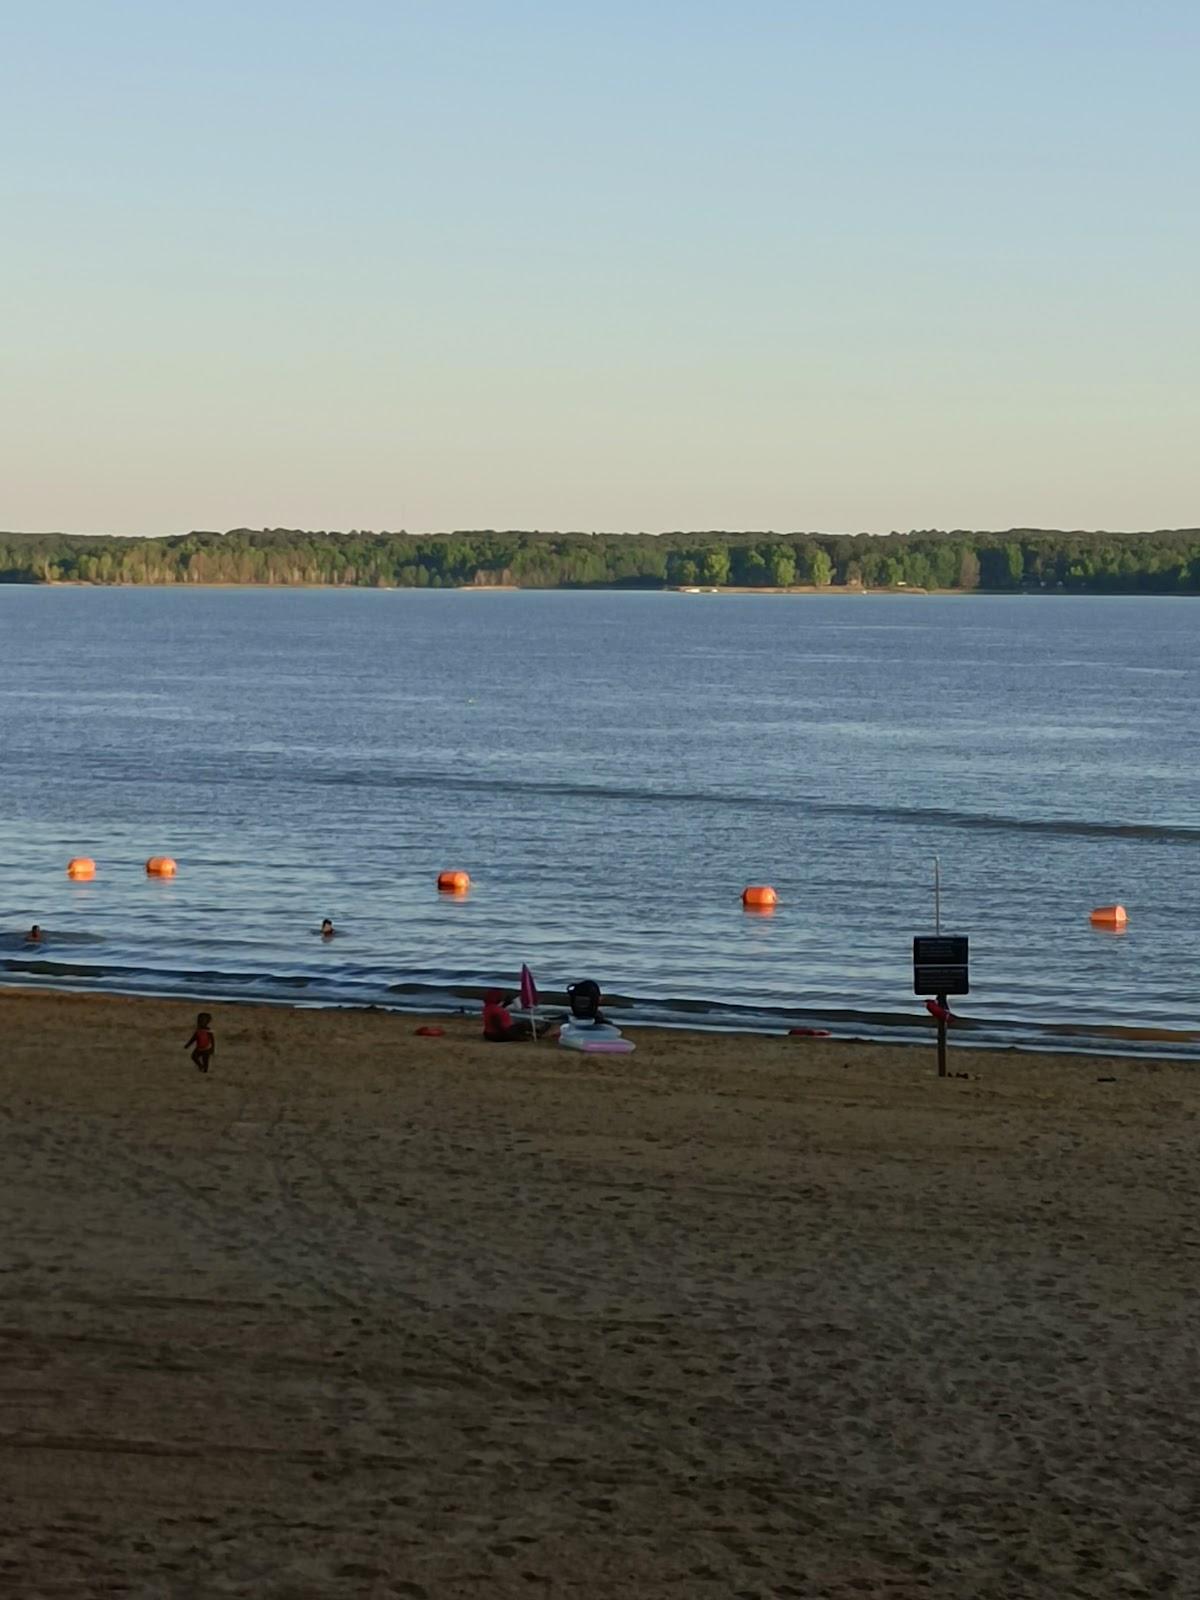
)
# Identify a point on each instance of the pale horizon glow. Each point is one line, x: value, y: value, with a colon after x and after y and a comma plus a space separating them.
x: 767, y: 266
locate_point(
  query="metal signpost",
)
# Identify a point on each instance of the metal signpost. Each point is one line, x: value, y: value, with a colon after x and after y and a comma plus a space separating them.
x: 940, y: 964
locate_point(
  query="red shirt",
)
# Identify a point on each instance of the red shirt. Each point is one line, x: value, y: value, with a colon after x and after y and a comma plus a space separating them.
x: 496, y: 1020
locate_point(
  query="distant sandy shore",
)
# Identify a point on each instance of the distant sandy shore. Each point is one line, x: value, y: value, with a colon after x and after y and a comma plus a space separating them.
x: 363, y: 1313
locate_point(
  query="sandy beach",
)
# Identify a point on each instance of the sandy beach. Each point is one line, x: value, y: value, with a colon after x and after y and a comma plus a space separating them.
x: 363, y: 1313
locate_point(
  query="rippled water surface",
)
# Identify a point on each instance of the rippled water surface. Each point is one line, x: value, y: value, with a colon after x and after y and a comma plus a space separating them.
x: 611, y: 769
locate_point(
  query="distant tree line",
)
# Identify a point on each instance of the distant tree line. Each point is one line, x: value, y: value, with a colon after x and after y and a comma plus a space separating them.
x: 1163, y: 562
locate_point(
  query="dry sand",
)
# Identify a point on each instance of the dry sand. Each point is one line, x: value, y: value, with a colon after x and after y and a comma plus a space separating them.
x: 366, y: 1314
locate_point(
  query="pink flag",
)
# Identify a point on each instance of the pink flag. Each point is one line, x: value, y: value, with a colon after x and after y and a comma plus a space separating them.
x: 529, y: 994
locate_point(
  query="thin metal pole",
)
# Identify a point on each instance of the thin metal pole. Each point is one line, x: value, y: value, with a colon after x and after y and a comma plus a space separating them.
x: 941, y: 1022
x: 937, y: 895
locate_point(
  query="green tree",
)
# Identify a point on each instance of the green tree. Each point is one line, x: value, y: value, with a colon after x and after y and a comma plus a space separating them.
x: 781, y: 565
x: 748, y: 566
x: 820, y: 567
x: 715, y: 568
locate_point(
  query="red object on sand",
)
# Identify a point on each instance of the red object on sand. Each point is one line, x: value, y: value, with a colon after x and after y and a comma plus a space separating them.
x: 809, y: 1033
x: 428, y: 1032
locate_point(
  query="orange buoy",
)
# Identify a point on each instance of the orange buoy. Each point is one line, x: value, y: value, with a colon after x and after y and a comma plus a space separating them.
x: 161, y: 867
x: 454, y: 882
x: 759, y: 895
x: 1109, y: 917
x: 81, y: 867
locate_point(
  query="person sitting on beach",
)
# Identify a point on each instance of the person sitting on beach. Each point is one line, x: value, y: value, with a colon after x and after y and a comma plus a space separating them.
x: 584, y: 999
x: 499, y: 1026
x: 203, y: 1040
x: 34, y: 936
x: 327, y: 929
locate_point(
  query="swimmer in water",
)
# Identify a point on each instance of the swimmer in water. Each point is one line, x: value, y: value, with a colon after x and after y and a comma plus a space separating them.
x: 34, y: 936
x: 327, y: 929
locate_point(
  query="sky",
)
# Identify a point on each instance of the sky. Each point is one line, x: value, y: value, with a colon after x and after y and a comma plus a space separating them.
x: 841, y: 266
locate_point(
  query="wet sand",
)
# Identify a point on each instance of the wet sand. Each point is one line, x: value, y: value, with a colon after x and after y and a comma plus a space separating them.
x: 368, y: 1314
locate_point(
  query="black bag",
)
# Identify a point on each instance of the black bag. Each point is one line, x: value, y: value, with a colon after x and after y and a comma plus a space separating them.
x: 584, y: 999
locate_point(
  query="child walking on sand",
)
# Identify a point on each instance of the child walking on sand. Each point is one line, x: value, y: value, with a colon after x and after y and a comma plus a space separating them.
x: 203, y: 1040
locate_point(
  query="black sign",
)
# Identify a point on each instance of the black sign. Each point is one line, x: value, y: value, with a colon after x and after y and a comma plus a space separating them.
x: 940, y: 964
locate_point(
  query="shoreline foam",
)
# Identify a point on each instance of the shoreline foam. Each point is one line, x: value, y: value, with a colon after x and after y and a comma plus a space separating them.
x: 673, y: 1014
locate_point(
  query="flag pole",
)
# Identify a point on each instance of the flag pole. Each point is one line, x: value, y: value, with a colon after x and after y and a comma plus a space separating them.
x: 937, y: 895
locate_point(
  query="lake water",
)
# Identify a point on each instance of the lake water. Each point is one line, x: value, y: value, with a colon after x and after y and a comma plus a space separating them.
x: 611, y: 769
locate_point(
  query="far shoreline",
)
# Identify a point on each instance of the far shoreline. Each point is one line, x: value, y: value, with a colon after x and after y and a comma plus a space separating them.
x: 795, y: 590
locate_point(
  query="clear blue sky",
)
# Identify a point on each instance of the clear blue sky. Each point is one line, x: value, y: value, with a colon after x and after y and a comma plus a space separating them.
x: 843, y: 265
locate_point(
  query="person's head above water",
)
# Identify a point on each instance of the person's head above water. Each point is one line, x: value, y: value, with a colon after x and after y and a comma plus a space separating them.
x: 35, y: 934
x: 327, y: 929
